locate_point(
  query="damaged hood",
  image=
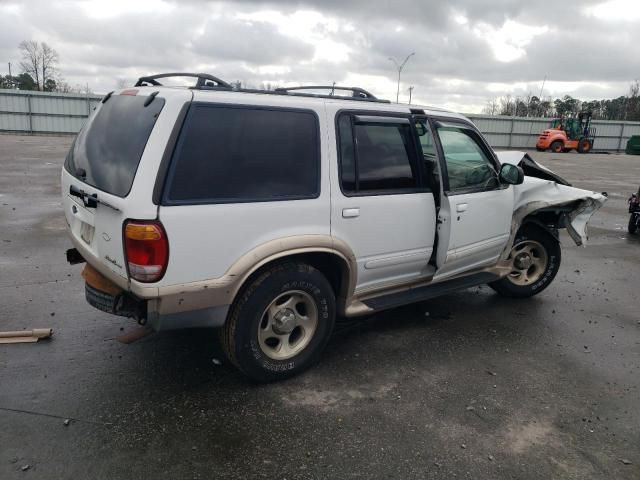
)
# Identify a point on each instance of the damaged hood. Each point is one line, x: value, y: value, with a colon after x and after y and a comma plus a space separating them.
x: 530, y: 167
x: 543, y: 190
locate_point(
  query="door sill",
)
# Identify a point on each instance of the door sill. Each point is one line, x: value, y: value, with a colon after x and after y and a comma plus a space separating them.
x: 427, y: 292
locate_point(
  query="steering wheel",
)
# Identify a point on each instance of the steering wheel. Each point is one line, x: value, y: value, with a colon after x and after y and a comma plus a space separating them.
x: 480, y: 175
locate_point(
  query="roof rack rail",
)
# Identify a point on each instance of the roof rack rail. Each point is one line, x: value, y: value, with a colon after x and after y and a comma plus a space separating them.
x: 356, y: 92
x: 210, y: 82
x: 203, y: 78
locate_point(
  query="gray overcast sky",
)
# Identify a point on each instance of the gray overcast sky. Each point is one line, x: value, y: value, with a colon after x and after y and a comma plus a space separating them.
x: 466, y: 51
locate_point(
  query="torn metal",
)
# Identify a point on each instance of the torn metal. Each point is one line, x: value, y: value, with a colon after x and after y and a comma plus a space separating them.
x: 544, y: 192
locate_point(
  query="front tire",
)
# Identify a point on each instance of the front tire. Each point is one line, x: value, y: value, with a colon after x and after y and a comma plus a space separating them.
x: 557, y: 146
x: 280, y: 322
x: 584, y: 145
x: 535, y: 261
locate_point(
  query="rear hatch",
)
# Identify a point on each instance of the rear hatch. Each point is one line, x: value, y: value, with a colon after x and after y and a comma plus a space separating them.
x: 110, y: 171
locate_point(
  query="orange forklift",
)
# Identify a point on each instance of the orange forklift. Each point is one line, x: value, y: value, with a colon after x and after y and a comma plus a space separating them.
x: 568, y: 134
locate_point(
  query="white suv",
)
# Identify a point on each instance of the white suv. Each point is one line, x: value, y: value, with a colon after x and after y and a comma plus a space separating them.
x: 270, y: 213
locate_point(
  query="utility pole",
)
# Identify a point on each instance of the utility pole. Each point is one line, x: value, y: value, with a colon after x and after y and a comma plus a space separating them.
x: 410, y: 92
x: 542, y: 88
x: 400, y: 66
x: 10, y: 77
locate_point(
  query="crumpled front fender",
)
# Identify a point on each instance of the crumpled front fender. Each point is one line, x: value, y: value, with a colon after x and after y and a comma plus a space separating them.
x: 539, y: 193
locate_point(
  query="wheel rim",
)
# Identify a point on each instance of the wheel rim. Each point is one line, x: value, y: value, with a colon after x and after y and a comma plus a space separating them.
x: 528, y: 262
x: 287, y: 325
x: 557, y: 148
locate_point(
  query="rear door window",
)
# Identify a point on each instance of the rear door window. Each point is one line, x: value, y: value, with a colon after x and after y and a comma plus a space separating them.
x: 377, y: 155
x: 245, y: 154
x: 108, y: 149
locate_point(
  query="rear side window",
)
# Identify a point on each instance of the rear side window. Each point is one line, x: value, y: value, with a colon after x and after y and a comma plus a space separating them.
x: 108, y: 149
x: 242, y: 154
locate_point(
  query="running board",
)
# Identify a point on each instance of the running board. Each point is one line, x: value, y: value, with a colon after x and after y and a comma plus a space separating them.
x: 429, y: 291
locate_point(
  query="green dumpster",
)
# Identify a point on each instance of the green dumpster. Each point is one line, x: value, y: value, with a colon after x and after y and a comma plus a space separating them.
x: 633, y: 145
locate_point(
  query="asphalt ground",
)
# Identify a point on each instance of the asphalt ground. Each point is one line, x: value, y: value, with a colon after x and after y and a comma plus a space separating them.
x: 470, y: 385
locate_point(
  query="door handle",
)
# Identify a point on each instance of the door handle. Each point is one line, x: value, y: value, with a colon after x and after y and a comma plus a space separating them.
x: 461, y: 207
x: 350, y: 212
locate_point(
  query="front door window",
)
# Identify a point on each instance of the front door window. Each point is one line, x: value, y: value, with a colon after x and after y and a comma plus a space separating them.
x: 468, y: 166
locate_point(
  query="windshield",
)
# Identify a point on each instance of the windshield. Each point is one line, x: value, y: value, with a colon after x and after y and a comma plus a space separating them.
x: 108, y: 149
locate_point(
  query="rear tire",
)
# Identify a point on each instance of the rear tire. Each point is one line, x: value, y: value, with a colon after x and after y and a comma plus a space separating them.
x: 584, y: 145
x: 280, y: 322
x: 535, y: 258
x: 633, y: 226
x: 557, y: 146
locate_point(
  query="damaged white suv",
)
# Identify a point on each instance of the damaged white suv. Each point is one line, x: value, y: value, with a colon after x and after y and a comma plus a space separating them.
x: 268, y: 214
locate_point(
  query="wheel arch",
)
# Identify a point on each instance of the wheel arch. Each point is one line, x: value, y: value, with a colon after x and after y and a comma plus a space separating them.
x: 548, y: 221
x: 334, y: 265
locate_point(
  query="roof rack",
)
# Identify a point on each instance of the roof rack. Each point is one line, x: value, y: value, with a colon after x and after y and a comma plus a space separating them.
x: 356, y: 92
x: 203, y: 79
x: 210, y: 82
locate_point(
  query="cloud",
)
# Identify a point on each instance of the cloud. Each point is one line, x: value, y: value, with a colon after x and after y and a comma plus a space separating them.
x: 466, y: 51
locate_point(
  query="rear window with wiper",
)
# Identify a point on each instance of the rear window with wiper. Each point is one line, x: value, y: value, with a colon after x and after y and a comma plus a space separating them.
x: 108, y: 149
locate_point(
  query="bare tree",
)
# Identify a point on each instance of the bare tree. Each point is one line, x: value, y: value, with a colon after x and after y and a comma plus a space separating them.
x: 31, y: 57
x: 64, y: 87
x: 48, y: 62
x: 40, y: 61
x: 507, y: 105
x: 491, y: 107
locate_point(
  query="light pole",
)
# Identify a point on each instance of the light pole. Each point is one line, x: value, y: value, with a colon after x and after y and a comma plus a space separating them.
x: 410, y: 92
x: 400, y: 66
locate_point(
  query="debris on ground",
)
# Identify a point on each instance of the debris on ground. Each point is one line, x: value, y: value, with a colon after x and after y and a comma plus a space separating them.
x: 25, y: 336
x: 24, y: 468
x: 66, y: 422
x: 625, y: 461
x: 216, y: 362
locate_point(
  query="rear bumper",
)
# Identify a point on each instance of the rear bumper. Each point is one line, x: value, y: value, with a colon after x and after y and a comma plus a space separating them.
x: 105, y: 295
x: 121, y: 304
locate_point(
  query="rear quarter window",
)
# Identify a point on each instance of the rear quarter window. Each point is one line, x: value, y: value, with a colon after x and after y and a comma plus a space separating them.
x: 245, y: 154
x: 107, y: 151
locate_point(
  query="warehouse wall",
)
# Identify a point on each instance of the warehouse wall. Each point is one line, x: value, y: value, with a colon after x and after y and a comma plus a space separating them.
x: 521, y: 132
x: 44, y: 112
x: 60, y: 113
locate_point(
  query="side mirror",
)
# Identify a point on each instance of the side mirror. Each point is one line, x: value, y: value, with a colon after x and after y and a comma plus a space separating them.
x: 511, y: 174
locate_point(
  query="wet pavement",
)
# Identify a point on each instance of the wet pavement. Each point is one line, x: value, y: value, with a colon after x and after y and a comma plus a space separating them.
x: 469, y: 385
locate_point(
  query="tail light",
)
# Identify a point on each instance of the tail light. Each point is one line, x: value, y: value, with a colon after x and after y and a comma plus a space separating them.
x: 146, y: 249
